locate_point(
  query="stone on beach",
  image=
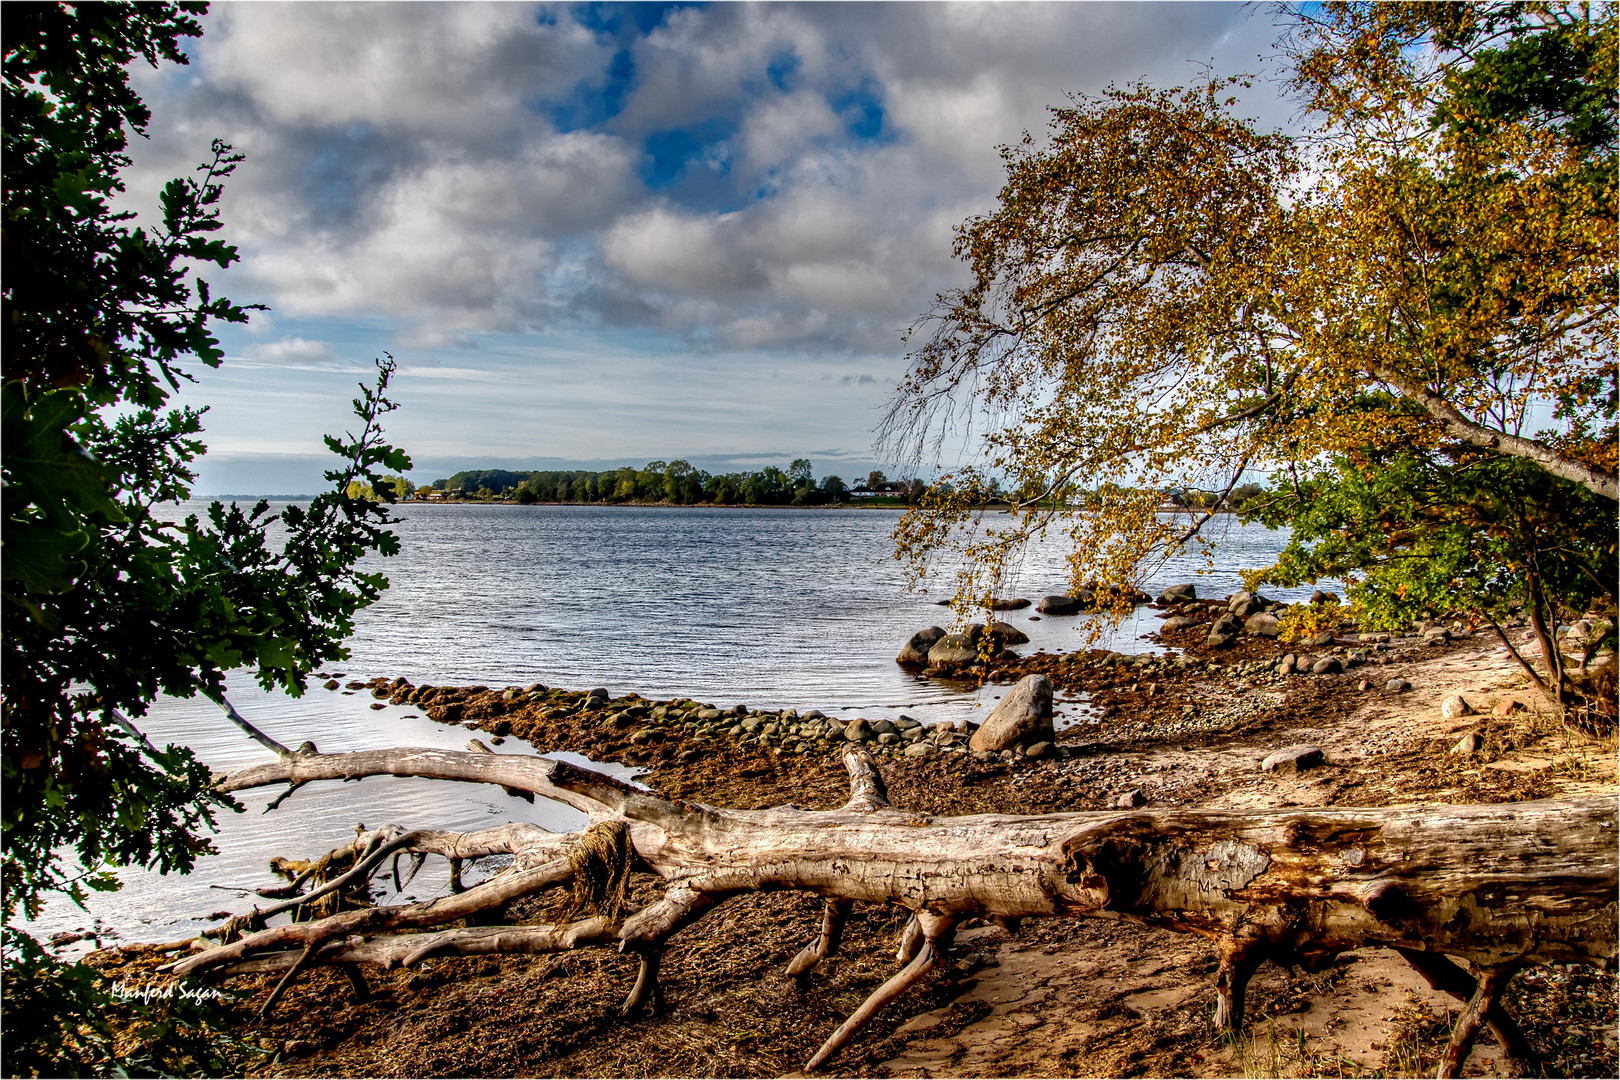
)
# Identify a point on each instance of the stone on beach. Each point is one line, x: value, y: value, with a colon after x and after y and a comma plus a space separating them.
x: 1455, y: 706
x: 1176, y: 594
x: 1262, y: 624
x: 1023, y: 716
x: 1293, y: 759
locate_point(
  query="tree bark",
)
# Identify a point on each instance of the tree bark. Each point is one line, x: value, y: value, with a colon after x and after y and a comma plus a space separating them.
x: 1497, y: 885
x: 1598, y: 481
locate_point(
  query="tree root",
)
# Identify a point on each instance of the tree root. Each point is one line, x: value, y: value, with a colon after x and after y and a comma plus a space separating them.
x: 1499, y: 885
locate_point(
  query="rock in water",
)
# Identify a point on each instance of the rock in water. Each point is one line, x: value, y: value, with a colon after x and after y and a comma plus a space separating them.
x: 957, y: 650
x: 1176, y: 594
x: 915, y: 651
x: 1058, y: 605
x: 997, y: 604
x: 1023, y: 716
x: 1005, y: 634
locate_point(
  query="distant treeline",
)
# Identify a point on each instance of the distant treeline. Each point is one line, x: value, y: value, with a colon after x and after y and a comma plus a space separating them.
x: 674, y: 482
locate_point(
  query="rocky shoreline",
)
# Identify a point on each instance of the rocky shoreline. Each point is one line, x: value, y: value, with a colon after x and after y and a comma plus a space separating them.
x: 1235, y: 725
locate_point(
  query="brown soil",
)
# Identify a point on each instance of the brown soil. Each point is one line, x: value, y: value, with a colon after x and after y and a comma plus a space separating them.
x: 1061, y: 998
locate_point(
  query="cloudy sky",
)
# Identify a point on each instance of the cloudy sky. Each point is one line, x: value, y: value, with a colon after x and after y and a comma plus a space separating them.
x: 604, y: 234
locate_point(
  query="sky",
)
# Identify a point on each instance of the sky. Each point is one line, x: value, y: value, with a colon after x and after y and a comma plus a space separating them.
x: 596, y: 235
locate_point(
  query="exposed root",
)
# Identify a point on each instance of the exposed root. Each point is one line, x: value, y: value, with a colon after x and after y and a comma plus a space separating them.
x: 936, y: 932
x: 834, y: 914
x: 1303, y: 885
x: 600, y: 864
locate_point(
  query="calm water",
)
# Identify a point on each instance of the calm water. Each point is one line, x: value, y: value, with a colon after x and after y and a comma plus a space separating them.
x: 766, y: 608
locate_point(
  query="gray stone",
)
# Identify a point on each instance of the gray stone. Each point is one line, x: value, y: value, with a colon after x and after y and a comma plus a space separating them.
x: 1364, y: 685
x: 957, y: 650
x: 915, y: 650
x: 1293, y: 759
x: 1397, y: 686
x: 1454, y: 707
x: 1179, y: 622
x: 1469, y: 745
x: 1227, y: 624
x: 888, y: 738
x: 813, y: 714
x: 1058, y: 605
x: 885, y: 727
x: 857, y: 730
x: 1131, y: 800
x: 1219, y: 641
x: 920, y: 750
x: 1177, y: 594
x: 1245, y: 608
x: 1005, y: 634
x: 1262, y: 624
x: 1328, y: 665
x: 1023, y: 716
x: 1038, y: 750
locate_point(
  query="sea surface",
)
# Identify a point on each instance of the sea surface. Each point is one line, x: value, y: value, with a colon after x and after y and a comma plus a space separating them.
x: 769, y: 608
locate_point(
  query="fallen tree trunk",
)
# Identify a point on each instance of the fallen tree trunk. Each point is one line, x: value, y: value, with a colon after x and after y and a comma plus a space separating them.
x: 1498, y: 885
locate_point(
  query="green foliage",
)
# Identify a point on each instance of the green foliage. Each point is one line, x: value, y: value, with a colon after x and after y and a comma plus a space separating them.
x: 674, y: 482
x: 108, y: 602
x: 1427, y: 532
x: 69, y: 1020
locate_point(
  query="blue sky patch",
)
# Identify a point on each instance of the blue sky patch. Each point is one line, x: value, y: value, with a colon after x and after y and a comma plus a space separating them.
x: 783, y: 71
x: 861, y: 110
x: 615, y: 21
x: 669, y: 155
x: 591, y: 103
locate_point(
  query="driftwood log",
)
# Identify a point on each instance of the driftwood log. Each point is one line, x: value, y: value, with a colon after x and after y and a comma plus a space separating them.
x: 1498, y: 886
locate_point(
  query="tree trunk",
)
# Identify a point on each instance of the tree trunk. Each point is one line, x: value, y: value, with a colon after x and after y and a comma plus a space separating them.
x: 1497, y: 885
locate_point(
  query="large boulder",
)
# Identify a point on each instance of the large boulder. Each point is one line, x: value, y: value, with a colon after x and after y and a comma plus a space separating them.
x: 1023, y: 717
x: 1179, y: 622
x: 1262, y: 625
x: 1059, y: 605
x: 915, y: 651
x: 956, y: 650
x: 999, y: 604
x: 1227, y: 624
x: 1004, y: 634
x: 1177, y: 594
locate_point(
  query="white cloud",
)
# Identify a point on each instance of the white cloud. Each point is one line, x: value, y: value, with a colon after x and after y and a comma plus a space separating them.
x: 458, y: 69
x: 293, y: 349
